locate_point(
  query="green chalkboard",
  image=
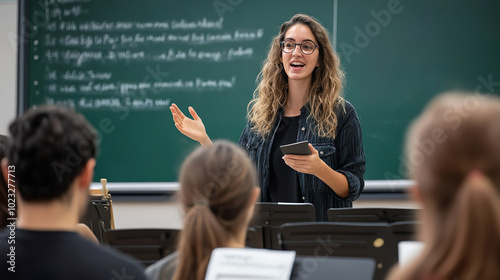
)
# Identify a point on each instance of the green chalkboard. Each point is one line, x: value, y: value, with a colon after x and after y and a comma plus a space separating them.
x: 399, y: 54
x: 121, y: 63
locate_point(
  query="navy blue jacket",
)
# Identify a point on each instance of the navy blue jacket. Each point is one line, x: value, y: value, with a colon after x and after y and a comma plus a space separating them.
x: 343, y: 154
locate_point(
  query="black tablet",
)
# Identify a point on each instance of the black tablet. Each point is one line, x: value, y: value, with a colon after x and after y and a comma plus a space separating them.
x: 299, y: 148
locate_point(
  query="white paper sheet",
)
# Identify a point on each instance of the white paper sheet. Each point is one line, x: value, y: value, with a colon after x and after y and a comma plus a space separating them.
x: 250, y: 264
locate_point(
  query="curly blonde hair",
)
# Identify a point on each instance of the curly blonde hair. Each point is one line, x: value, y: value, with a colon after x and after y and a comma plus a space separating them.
x: 324, y: 94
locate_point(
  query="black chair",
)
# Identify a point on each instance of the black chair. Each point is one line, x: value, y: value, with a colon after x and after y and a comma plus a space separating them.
x: 145, y: 245
x: 368, y: 240
x: 367, y: 215
x: 270, y: 216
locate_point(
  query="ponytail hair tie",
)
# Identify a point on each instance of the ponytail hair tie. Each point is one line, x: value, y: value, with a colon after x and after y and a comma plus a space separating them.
x: 202, y: 202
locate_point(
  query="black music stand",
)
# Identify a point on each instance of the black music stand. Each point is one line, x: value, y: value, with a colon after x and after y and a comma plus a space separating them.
x: 367, y: 215
x: 145, y: 245
x: 269, y: 216
x: 336, y: 268
x: 254, y: 238
x: 404, y: 231
x: 368, y: 240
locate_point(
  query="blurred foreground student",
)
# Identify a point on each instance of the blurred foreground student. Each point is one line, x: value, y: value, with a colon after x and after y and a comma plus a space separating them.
x: 52, y: 156
x: 218, y: 191
x: 453, y: 150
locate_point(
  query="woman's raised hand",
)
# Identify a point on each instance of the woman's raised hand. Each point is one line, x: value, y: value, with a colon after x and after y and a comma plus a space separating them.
x: 192, y: 128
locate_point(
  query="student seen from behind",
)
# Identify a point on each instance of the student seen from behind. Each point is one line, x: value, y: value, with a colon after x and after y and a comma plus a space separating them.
x: 52, y: 154
x: 218, y: 191
x: 454, y: 154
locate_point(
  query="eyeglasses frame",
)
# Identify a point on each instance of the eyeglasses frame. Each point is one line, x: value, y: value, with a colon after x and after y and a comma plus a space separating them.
x: 282, y: 45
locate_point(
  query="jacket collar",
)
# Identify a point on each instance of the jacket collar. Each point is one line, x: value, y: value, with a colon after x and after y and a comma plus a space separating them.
x: 305, y: 110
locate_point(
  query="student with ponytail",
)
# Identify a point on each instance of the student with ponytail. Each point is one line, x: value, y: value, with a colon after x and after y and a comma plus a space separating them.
x: 454, y: 153
x: 218, y: 191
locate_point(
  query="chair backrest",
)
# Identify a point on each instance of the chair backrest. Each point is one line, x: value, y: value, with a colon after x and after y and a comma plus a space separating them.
x: 369, y: 240
x: 336, y: 268
x: 367, y: 215
x: 145, y: 245
x: 269, y: 216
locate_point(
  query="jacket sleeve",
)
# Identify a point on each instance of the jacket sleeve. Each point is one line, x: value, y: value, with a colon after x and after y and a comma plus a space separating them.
x: 351, y: 161
x: 244, y: 137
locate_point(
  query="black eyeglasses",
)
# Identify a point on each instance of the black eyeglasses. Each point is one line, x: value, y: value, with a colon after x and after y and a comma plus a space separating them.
x: 307, y: 47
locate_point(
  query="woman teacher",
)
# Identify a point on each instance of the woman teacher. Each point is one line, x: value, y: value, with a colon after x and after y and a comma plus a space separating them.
x: 299, y: 98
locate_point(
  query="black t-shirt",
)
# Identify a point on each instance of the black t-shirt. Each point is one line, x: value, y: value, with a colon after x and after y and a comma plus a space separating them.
x: 61, y: 255
x: 284, y: 181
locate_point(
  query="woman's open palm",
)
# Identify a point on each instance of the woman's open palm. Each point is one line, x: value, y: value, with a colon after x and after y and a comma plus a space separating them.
x: 192, y: 128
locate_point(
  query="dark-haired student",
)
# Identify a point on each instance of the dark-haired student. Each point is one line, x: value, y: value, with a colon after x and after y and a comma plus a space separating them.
x: 52, y: 156
x: 5, y: 194
x: 218, y: 191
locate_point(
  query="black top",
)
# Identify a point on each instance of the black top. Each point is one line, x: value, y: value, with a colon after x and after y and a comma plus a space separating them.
x: 61, y: 255
x: 284, y: 181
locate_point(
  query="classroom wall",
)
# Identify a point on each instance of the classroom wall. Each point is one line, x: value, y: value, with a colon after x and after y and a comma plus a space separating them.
x: 161, y: 212
x: 165, y: 212
x: 8, y: 34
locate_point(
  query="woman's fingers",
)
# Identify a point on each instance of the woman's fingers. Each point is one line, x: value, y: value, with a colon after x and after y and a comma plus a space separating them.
x: 174, y: 110
x: 300, y: 163
x: 193, y: 113
x: 176, y: 118
x: 296, y: 163
x: 179, y: 117
x: 179, y: 127
x: 177, y: 111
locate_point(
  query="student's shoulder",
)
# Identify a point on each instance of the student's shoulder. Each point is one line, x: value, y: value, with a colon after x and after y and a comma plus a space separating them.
x: 4, y: 246
x: 163, y: 269
x: 113, y: 260
x: 4, y: 237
